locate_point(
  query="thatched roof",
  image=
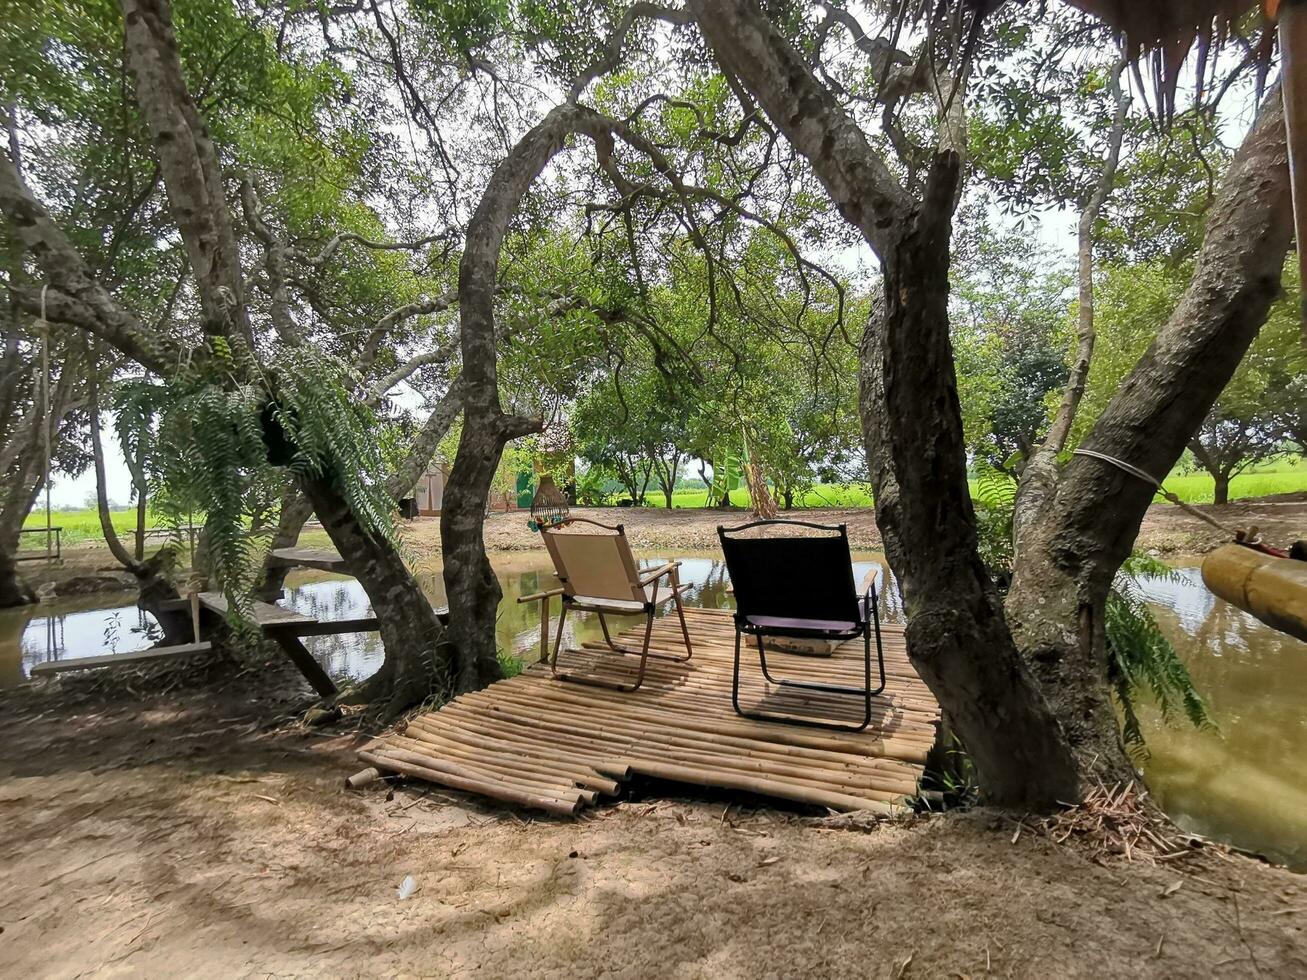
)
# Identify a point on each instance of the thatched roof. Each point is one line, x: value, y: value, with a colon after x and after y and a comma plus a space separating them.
x: 1147, y: 23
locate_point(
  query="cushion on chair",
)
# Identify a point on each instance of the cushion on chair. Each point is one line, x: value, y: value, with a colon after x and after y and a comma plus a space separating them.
x: 626, y: 605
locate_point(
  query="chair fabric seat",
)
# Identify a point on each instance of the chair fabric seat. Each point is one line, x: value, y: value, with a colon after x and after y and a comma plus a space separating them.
x: 798, y: 626
x: 809, y: 627
x: 596, y: 603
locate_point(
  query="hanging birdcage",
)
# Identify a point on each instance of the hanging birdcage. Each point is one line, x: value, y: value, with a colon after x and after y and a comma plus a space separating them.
x: 549, y: 505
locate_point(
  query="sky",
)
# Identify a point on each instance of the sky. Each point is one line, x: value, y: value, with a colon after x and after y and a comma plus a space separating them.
x: 1056, y: 230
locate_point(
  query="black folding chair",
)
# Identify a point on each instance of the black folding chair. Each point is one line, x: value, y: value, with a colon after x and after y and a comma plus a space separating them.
x: 800, y: 586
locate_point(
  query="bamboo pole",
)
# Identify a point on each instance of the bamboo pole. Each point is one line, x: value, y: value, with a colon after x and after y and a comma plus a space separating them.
x: 580, y: 774
x: 566, y: 723
x: 479, y: 786
x: 785, y: 781
x: 550, y: 696
x: 654, y: 747
x: 492, y: 766
x: 362, y: 778
x: 568, y: 710
x: 490, y: 734
x: 543, y: 786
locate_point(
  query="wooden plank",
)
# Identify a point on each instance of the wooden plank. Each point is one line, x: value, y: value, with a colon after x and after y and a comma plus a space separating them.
x: 319, y: 558
x: 153, y: 655
x: 264, y: 614
x: 299, y: 655
x: 326, y: 627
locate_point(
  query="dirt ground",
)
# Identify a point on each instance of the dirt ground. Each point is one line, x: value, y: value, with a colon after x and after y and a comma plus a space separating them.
x: 196, y: 832
x: 1167, y: 530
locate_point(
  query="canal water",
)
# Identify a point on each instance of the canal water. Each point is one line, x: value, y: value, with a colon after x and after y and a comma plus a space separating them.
x: 1243, y: 782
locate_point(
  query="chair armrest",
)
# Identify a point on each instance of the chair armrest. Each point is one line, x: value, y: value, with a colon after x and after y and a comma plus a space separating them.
x: 647, y: 577
x: 540, y: 596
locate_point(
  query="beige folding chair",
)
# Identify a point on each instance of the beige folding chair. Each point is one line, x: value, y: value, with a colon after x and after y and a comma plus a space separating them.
x: 599, y: 574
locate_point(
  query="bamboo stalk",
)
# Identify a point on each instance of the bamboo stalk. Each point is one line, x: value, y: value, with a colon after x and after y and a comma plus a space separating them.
x: 582, y: 747
x: 601, y: 710
x: 766, y: 787
x: 362, y: 778
x: 906, y: 717
x: 484, y: 732
x: 654, y: 747
x: 472, y: 785
x: 558, y: 788
x: 567, y: 720
x: 594, y: 699
x: 577, y: 773
x: 509, y: 766
x: 605, y: 729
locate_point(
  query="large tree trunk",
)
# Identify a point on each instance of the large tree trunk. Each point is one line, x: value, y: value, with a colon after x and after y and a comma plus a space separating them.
x: 470, y: 582
x: 295, y: 510
x: 957, y: 638
x: 912, y: 420
x: 419, y: 661
x: 1221, y: 488
x: 1070, y: 552
x: 13, y: 590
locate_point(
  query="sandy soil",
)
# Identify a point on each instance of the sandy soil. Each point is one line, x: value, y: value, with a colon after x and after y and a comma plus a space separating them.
x: 192, y: 833
x: 1167, y: 530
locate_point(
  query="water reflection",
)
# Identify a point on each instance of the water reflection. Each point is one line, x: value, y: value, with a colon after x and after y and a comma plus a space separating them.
x: 70, y: 628
x: 1243, y: 783
x: 518, y: 627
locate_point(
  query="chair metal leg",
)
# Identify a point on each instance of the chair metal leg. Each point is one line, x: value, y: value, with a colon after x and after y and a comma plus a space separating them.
x: 599, y: 681
x: 622, y: 648
x: 866, y: 692
x: 685, y: 630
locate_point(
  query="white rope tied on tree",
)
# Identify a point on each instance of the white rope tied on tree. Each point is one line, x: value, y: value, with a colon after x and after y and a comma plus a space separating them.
x: 1152, y: 481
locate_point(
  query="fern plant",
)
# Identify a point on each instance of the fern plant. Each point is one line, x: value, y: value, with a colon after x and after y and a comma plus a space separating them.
x: 221, y: 443
x: 1140, y: 655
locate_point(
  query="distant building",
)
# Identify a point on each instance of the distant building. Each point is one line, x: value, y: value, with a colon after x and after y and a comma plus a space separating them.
x: 429, y: 493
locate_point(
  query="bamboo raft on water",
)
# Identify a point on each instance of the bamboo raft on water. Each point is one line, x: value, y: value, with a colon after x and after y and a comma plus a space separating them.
x: 541, y: 743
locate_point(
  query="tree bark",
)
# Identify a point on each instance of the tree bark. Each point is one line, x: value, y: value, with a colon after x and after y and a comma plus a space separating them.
x: 957, y: 638
x: 912, y: 421
x: 427, y: 442
x: 13, y: 590
x: 295, y: 510
x: 1221, y: 488
x: 420, y: 662
x: 470, y: 582
x: 1068, y: 557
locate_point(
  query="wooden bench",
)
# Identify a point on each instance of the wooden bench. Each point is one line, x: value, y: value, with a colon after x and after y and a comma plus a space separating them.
x: 151, y: 656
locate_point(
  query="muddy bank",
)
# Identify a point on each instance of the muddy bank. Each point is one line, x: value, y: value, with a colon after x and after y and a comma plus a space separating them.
x: 193, y: 832
x: 1167, y: 530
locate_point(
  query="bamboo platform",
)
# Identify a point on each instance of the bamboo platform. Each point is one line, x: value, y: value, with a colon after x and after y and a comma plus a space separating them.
x: 555, y: 746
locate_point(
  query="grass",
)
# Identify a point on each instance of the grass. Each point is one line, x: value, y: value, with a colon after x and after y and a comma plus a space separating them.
x: 83, y: 525
x: 1285, y: 475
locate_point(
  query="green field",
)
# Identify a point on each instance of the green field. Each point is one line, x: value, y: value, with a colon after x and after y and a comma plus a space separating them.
x: 1282, y: 476
x: 83, y: 525
x: 1279, y: 476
